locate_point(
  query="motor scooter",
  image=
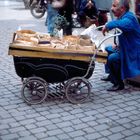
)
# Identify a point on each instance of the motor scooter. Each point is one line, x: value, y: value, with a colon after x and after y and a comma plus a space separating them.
x: 38, y: 8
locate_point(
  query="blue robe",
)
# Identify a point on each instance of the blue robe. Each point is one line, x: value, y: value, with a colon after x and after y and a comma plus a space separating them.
x: 129, y: 42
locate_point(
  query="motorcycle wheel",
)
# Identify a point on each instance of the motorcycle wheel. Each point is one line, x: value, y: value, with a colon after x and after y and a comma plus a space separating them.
x: 36, y: 11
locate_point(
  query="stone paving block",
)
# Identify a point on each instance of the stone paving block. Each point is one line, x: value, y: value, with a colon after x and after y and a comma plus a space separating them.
x: 90, y: 113
x: 76, y: 111
x: 110, y: 113
x: 93, y: 136
x: 89, y: 130
x: 121, y: 105
x: 24, y: 133
x: 80, y: 126
x: 76, y: 133
x: 41, y: 118
x: 28, y: 138
x: 67, y: 129
x: 68, y: 117
x: 63, y: 137
x: 92, y: 123
x: 43, y: 123
x: 32, y: 115
x: 117, y: 136
x: 131, y: 103
x: 27, y: 121
x: 129, y: 108
x: 105, y: 132
x: 107, y: 103
x: 50, y: 138
x: 41, y: 135
x: 51, y: 127
x: 76, y: 121
x: 80, y: 115
x: 65, y: 113
x: 30, y: 126
x: 99, y: 116
x: 120, y: 110
x: 103, y: 138
x: 117, y: 129
x: 125, y: 114
x: 88, y: 118
x: 101, y: 127
x: 64, y: 124
x: 133, y: 137
x: 134, y: 117
x: 9, y: 120
x: 128, y: 125
x: 53, y: 116
x: 17, y: 129
x: 128, y: 133
x: 54, y: 132
x: 4, y: 132
x: 136, y: 112
x: 136, y: 129
x: 38, y: 130
x: 57, y: 120
x: 9, y: 136
x: 123, y: 120
x: 4, y: 126
x: 102, y: 110
x: 58, y: 110
x: 79, y: 138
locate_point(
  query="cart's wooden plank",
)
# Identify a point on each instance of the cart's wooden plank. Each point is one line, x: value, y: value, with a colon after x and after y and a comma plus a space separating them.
x: 53, y: 50
x: 48, y: 55
x: 80, y: 57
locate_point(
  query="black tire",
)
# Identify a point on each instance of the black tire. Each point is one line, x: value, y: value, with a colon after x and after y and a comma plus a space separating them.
x: 34, y: 90
x: 36, y: 12
x: 77, y: 90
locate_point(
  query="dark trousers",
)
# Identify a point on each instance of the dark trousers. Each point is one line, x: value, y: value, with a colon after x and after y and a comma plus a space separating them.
x: 109, y: 51
x: 114, y: 65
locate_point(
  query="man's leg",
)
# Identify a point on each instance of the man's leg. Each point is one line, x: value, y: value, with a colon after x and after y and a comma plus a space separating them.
x: 115, y: 71
x: 109, y: 51
x: 51, y: 16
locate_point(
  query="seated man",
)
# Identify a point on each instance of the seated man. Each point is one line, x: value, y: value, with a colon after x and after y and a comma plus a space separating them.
x: 88, y: 11
x: 125, y: 63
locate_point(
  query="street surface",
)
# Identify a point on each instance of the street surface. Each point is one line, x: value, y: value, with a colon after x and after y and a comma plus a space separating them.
x: 105, y: 116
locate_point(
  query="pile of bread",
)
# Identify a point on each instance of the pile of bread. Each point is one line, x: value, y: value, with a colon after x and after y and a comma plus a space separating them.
x: 34, y: 39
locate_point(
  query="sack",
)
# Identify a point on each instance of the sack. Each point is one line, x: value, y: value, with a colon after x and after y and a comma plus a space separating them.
x: 57, y: 4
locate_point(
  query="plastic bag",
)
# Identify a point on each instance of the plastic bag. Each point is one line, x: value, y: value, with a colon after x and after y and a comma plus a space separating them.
x: 90, y: 31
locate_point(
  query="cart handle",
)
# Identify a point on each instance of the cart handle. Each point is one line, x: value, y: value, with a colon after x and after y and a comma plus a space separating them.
x: 119, y: 32
x: 103, y: 40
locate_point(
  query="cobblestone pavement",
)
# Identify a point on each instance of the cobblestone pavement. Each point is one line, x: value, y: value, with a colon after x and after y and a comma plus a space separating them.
x: 105, y: 116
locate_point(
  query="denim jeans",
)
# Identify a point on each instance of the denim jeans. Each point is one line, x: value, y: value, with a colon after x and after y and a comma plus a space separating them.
x: 109, y: 51
x: 51, y: 15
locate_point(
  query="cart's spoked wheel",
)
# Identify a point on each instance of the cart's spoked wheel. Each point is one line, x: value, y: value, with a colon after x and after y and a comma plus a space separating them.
x: 34, y: 90
x: 78, y: 90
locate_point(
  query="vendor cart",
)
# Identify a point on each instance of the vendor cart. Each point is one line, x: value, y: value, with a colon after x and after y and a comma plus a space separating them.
x: 40, y: 66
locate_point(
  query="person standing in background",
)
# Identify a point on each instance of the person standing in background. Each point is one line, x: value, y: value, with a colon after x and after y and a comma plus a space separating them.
x: 88, y: 12
x: 57, y: 8
x: 67, y: 11
x: 51, y: 16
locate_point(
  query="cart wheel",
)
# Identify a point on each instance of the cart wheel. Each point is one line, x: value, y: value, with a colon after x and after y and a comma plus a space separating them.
x: 34, y: 90
x: 77, y: 90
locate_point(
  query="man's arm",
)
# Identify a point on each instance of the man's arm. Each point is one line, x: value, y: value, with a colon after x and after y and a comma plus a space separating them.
x: 124, y: 24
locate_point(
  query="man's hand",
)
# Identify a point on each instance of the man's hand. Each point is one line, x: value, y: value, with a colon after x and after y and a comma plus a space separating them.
x: 104, y: 29
x: 114, y: 46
